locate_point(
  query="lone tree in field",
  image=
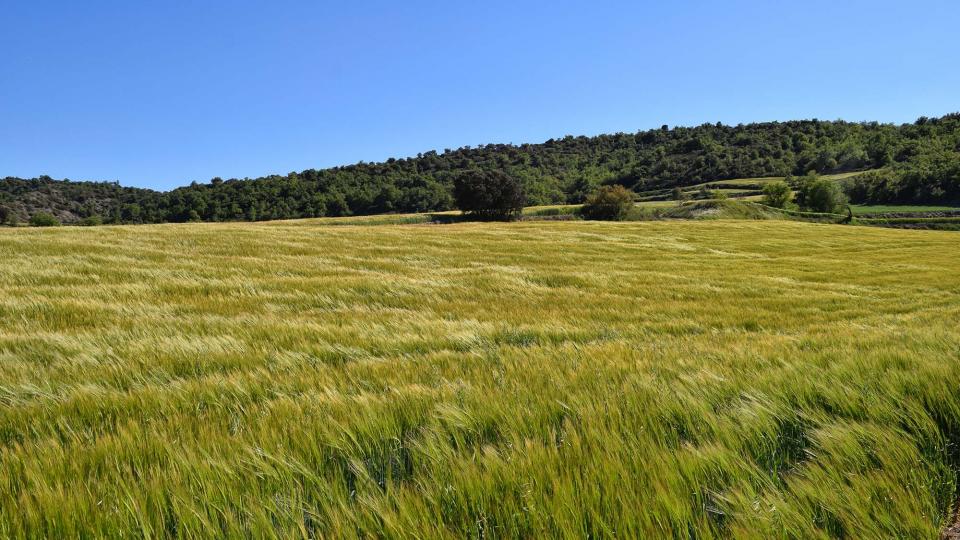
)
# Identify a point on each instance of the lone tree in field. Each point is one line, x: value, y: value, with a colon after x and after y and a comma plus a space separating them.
x: 608, y: 203
x: 820, y: 195
x: 776, y: 194
x: 489, y: 194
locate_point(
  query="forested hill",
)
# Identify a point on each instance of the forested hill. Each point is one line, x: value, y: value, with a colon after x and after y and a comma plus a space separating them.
x: 915, y: 162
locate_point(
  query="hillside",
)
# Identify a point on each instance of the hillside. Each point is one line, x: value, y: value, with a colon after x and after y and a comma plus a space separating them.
x: 917, y: 162
x: 746, y: 379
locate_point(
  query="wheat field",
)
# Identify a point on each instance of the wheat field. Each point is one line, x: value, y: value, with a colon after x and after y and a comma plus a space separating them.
x: 765, y: 379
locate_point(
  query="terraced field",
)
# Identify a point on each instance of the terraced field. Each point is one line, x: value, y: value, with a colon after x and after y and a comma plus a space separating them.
x: 936, y: 217
x: 753, y: 379
x: 745, y: 188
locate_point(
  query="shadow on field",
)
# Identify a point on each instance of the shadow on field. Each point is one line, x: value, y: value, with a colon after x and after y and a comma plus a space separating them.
x: 442, y: 219
x: 446, y: 219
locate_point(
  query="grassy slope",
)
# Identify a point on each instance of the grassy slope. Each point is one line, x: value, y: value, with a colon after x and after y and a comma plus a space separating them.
x: 766, y: 180
x: 721, y: 209
x: 740, y: 188
x: 752, y: 194
x: 753, y: 379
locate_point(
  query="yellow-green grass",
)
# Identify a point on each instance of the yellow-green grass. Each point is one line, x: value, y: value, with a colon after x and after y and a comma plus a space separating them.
x: 656, y: 204
x: 730, y: 192
x: 742, y: 181
x: 843, y: 176
x: 767, y: 379
x: 551, y: 210
x: 408, y: 219
x: 549, y: 207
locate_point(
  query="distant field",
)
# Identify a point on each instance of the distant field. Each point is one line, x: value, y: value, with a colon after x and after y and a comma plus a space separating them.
x: 656, y: 204
x: 753, y: 379
x: 843, y: 176
x: 407, y: 219
x: 859, y: 209
x: 745, y: 188
x: 743, y: 181
x: 768, y: 179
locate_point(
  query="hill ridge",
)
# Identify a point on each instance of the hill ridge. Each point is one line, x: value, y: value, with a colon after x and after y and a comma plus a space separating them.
x: 916, y: 162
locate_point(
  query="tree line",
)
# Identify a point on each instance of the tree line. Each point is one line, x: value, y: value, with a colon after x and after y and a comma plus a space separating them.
x: 917, y: 162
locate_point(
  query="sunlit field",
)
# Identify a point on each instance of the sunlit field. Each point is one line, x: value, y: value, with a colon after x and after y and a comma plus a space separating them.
x: 697, y: 379
x: 859, y: 209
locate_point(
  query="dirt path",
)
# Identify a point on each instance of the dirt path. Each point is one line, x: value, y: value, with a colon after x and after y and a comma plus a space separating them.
x: 953, y: 531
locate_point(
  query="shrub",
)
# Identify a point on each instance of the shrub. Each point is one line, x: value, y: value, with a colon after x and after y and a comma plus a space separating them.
x: 608, y: 203
x: 553, y: 212
x: 489, y: 194
x: 680, y: 195
x: 43, y: 219
x: 776, y: 194
x: 4, y: 215
x: 820, y: 195
x: 91, y: 221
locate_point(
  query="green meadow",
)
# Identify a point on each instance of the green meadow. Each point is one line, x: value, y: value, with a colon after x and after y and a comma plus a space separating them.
x: 661, y: 379
x: 860, y: 209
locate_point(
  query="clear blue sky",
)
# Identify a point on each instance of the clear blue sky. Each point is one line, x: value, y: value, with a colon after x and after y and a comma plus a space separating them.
x: 158, y: 94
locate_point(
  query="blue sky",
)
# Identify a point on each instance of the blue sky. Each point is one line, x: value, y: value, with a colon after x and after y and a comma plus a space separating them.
x: 158, y: 94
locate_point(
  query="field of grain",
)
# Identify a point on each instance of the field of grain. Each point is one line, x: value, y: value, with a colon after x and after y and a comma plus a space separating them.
x: 763, y: 379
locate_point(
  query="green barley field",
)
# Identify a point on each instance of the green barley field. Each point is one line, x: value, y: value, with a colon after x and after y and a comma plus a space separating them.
x: 754, y: 379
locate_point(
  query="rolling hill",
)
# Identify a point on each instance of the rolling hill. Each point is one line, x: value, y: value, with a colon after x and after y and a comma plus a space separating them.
x: 912, y: 163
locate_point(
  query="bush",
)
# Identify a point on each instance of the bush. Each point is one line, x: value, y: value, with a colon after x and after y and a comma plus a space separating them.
x: 489, y: 194
x: 776, y: 194
x: 820, y: 195
x: 553, y: 212
x: 4, y: 215
x: 43, y: 219
x: 608, y: 203
x: 90, y: 221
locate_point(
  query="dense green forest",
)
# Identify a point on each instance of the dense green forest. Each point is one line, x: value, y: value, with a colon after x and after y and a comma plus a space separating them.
x: 918, y: 162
